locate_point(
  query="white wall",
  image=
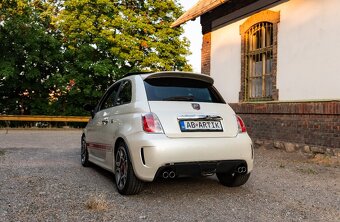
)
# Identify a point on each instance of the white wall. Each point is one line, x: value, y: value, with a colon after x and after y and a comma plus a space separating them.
x: 308, y: 52
x: 225, y: 65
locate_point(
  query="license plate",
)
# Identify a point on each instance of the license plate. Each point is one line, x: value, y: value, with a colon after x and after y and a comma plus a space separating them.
x: 201, y: 126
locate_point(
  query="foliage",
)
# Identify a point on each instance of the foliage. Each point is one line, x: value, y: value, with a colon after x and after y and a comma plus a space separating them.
x: 56, y: 56
x: 29, y: 55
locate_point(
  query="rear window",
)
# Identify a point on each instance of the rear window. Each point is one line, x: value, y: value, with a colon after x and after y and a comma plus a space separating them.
x: 181, y: 89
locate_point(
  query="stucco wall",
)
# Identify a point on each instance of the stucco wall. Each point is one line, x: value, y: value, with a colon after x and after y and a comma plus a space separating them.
x: 308, y: 52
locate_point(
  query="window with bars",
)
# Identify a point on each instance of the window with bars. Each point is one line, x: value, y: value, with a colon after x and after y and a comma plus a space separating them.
x: 259, y: 39
x: 259, y: 61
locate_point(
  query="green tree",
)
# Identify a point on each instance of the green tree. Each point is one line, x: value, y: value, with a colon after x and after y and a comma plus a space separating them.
x: 57, y: 55
x: 29, y: 55
x: 106, y: 39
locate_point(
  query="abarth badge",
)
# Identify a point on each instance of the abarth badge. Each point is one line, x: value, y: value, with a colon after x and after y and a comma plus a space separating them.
x: 196, y: 106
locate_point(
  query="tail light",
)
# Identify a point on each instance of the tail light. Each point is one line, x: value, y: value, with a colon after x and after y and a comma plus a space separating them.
x: 151, y: 123
x: 241, y: 126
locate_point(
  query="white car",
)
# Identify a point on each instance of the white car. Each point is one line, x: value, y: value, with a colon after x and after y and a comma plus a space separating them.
x: 168, y: 125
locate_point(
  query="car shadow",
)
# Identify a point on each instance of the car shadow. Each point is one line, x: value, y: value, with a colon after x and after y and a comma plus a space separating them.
x: 103, y: 172
x: 185, y: 185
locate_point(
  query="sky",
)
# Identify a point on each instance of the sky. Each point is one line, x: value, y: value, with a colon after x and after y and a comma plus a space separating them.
x: 192, y: 30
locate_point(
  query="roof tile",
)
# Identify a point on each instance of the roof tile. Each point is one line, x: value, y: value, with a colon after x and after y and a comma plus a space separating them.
x: 201, y: 7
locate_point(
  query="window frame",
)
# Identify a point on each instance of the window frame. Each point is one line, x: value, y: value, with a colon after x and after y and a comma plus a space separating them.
x: 121, y: 87
x: 107, y: 95
x: 109, y: 92
x: 265, y: 16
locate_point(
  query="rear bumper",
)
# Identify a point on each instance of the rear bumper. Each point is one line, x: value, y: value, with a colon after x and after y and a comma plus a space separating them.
x: 152, y: 153
x: 202, y: 168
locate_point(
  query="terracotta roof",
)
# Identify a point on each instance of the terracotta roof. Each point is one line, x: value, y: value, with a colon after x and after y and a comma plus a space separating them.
x: 201, y: 7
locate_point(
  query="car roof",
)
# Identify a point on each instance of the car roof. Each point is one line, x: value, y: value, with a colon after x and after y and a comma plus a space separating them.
x: 173, y: 74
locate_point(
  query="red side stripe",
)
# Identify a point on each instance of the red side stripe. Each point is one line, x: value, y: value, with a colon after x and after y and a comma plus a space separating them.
x: 99, y: 146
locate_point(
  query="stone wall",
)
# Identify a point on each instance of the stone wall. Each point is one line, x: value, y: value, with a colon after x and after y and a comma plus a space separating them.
x: 314, y: 124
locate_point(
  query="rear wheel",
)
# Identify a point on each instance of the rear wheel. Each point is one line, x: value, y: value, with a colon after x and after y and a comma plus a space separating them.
x: 84, y: 154
x: 126, y: 181
x: 232, y: 180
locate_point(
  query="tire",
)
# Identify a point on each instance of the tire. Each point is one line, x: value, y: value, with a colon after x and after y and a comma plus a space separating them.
x: 126, y: 181
x: 84, y: 154
x: 232, y: 180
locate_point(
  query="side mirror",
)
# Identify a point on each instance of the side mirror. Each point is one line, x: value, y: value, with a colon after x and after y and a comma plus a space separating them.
x: 90, y: 108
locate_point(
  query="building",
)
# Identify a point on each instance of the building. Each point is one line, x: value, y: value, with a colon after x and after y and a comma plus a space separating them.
x: 277, y: 63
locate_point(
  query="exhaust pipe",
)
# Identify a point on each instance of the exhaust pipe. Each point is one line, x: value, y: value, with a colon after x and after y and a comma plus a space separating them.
x: 172, y: 174
x: 244, y: 169
x: 165, y: 174
x: 241, y: 169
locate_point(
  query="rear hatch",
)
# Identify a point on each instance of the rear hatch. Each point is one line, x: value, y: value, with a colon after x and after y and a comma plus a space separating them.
x: 188, y: 105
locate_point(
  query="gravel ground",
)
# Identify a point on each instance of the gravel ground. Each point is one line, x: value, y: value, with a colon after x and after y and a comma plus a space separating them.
x: 41, y: 179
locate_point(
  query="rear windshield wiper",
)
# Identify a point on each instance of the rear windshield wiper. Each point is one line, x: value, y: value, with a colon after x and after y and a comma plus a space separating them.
x: 179, y: 98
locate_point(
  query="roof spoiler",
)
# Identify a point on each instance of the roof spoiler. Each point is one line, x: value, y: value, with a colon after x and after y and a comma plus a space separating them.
x: 186, y: 75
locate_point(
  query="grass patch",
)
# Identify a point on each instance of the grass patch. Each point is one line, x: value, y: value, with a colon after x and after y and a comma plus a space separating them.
x: 325, y: 160
x: 2, y: 152
x: 97, y: 203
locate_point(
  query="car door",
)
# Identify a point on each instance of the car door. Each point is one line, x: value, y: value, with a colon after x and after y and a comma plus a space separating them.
x: 115, y: 119
x: 96, y: 138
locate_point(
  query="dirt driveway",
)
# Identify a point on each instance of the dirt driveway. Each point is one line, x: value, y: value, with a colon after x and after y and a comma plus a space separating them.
x: 41, y: 179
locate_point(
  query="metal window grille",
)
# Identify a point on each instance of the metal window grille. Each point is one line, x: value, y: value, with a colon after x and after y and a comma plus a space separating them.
x: 259, y: 61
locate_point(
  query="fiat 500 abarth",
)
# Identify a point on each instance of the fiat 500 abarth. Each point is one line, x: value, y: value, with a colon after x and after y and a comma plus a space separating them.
x: 168, y: 125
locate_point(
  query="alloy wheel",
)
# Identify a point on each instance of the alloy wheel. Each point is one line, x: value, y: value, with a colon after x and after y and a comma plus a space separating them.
x: 83, y: 151
x: 121, y: 168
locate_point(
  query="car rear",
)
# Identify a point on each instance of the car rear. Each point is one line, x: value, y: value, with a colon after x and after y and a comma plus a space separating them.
x: 190, y: 130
